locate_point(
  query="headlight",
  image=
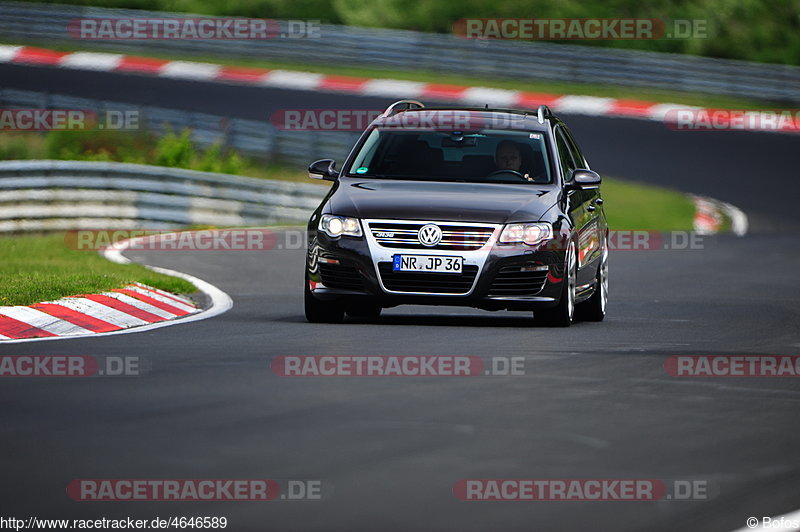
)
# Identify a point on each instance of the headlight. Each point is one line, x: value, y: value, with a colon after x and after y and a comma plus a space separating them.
x: 531, y: 234
x: 335, y: 226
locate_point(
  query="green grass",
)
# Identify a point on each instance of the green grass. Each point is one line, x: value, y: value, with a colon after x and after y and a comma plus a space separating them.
x: 547, y: 87
x: 37, y: 268
x: 633, y: 206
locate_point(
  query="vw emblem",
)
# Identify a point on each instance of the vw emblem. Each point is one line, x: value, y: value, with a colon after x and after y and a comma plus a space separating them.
x: 429, y: 235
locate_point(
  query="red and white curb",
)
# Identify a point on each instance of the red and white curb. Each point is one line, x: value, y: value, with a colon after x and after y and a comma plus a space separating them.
x: 710, y: 215
x: 118, y: 309
x: 390, y: 88
x: 135, y: 308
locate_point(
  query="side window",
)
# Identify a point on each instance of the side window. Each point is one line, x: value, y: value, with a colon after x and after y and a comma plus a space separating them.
x: 564, y: 155
x: 580, y: 160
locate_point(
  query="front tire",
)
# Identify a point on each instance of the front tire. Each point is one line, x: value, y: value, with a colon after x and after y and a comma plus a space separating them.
x: 562, y: 314
x: 594, y: 308
x: 322, y: 311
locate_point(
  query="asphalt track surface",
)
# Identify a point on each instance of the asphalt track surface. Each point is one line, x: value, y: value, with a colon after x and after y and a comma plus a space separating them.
x: 594, y: 402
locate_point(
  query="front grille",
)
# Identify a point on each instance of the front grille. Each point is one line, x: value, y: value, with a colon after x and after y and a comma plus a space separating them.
x: 430, y: 283
x: 513, y: 281
x: 454, y: 237
x: 341, y: 276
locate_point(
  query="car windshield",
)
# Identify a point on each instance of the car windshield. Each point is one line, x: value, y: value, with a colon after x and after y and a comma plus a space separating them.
x: 483, y: 156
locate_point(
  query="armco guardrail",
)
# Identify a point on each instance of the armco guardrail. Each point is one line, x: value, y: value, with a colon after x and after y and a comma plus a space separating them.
x: 250, y: 137
x: 409, y: 50
x: 60, y: 195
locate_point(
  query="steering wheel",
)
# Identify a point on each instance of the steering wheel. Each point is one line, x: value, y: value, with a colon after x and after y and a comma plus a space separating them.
x: 512, y: 172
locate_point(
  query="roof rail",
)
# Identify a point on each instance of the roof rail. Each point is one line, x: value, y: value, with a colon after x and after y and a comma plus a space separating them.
x: 543, y: 112
x: 410, y: 104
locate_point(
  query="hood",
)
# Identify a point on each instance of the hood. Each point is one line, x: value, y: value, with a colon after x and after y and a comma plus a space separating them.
x: 421, y: 200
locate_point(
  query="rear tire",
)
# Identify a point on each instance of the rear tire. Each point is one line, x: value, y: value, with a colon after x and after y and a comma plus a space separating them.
x: 322, y: 311
x: 562, y: 314
x: 594, y: 308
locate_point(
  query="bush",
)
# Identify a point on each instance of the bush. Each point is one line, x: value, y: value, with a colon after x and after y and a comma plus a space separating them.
x: 98, y: 145
x: 175, y: 151
x: 15, y: 148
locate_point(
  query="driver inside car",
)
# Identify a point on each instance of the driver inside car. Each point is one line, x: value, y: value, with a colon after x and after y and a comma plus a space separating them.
x: 508, y: 156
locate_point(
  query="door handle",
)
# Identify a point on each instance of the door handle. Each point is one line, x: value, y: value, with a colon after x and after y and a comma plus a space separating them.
x: 591, y: 208
x: 599, y: 201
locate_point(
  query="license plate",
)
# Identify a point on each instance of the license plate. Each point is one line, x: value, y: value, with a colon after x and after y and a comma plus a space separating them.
x: 427, y: 263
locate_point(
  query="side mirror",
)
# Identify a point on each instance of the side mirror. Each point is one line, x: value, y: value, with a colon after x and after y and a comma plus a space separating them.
x: 323, y: 169
x: 583, y: 180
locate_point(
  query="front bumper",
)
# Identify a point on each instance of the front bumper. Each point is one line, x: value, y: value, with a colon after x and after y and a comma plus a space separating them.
x: 494, y: 277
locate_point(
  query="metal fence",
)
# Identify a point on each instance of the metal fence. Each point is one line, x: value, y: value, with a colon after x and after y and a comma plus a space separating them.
x: 409, y: 50
x: 61, y: 195
x: 250, y: 137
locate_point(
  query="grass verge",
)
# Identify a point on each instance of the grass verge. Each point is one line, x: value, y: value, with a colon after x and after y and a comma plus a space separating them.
x: 37, y: 268
x: 634, y: 206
